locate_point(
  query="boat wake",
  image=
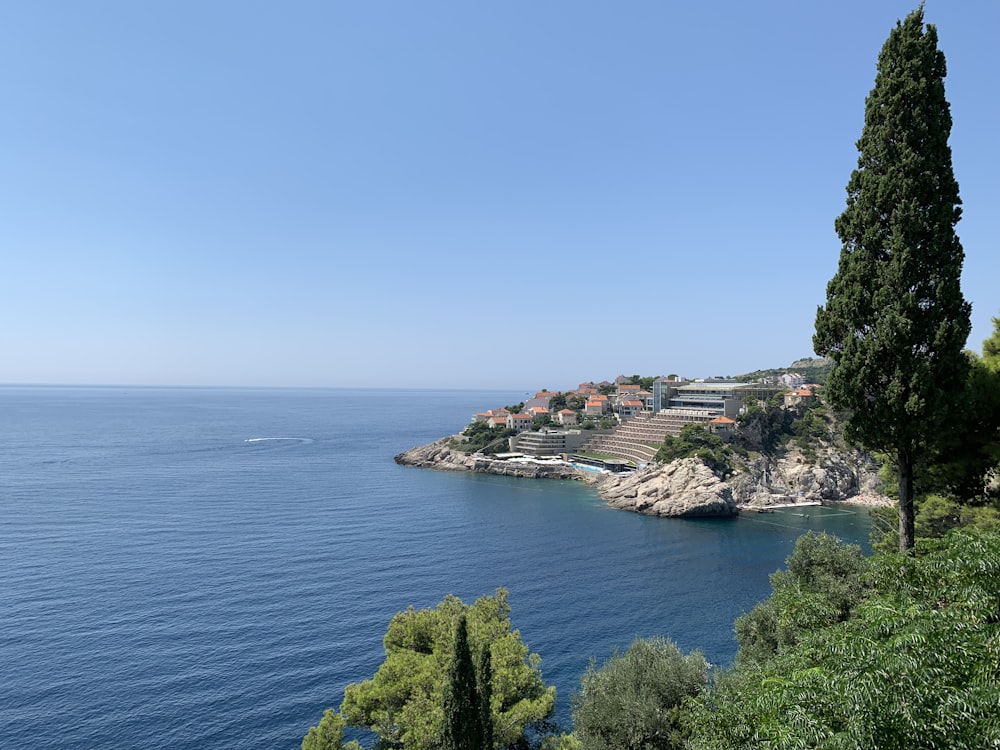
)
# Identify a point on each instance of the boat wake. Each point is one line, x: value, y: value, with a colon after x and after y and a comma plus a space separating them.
x: 278, y: 439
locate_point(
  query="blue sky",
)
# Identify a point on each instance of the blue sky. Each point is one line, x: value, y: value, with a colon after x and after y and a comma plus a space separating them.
x: 444, y: 194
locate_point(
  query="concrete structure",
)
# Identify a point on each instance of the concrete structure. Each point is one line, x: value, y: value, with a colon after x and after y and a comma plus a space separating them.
x: 719, y: 398
x: 549, y: 442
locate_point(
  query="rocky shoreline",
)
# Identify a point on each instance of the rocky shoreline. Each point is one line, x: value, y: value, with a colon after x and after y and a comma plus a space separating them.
x: 687, y: 488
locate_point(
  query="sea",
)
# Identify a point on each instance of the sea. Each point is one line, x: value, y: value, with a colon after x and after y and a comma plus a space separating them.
x: 194, y: 568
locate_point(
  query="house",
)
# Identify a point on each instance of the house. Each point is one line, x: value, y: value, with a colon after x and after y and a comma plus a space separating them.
x: 722, y: 425
x: 629, y: 408
x: 487, y: 416
x: 567, y: 417
x: 792, y: 379
x: 596, y: 406
x: 519, y: 422
x: 540, y: 399
x: 799, y: 396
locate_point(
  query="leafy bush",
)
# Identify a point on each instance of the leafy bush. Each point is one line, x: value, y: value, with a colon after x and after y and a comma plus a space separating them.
x: 632, y: 702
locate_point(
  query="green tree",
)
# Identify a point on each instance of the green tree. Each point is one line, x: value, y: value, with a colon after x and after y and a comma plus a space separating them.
x: 632, y: 702
x: 541, y: 420
x: 991, y: 347
x: 463, y: 728
x: 965, y: 462
x: 484, y: 684
x: 965, y: 466
x: 895, y: 320
x: 404, y: 702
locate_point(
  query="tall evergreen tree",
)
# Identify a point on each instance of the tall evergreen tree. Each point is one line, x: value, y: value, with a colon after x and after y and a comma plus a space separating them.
x: 895, y: 320
x: 462, y: 722
x: 484, y: 683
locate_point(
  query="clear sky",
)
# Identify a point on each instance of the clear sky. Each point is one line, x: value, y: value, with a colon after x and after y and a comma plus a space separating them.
x: 447, y: 194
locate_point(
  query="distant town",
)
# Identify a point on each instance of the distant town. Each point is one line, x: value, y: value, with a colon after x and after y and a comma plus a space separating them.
x: 628, y: 420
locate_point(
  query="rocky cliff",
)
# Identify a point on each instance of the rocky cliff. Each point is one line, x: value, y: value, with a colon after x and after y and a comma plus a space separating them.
x: 687, y: 488
x: 681, y: 489
x: 438, y: 455
x: 834, y: 473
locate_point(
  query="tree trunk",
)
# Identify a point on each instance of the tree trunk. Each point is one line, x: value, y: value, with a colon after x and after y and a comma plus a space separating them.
x: 904, y: 467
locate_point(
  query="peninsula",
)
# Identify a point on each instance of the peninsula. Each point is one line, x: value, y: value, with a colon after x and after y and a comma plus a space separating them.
x: 672, y: 448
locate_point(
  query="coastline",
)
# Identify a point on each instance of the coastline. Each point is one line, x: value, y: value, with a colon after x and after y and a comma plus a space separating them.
x: 682, y: 489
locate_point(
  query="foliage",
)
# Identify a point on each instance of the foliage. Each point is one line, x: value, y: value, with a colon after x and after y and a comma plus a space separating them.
x: 560, y: 742
x: 937, y: 515
x: 481, y: 437
x: 464, y: 728
x: 766, y: 429
x: 884, y: 534
x: 695, y: 441
x: 540, y: 420
x: 632, y: 702
x: 644, y: 383
x: 484, y: 689
x: 761, y: 429
x: 964, y: 463
x: 991, y: 347
x: 967, y: 463
x: 557, y: 402
x: 822, y: 585
x: 895, y: 320
x: 917, y: 665
x: 812, y: 369
x: 964, y: 466
x: 404, y: 702
x: 327, y: 734
x: 606, y: 422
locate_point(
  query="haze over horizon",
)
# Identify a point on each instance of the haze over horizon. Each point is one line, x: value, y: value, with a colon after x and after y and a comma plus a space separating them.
x: 443, y: 195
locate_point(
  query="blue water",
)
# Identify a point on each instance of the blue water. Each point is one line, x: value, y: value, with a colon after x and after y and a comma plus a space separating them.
x: 190, y: 569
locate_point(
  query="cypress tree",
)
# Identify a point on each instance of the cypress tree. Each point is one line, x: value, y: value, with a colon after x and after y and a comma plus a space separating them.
x: 484, y: 681
x: 895, y: 320
x: 462, y: 722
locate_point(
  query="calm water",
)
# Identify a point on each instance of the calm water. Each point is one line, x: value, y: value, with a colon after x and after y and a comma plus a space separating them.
x: 195, y: 569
